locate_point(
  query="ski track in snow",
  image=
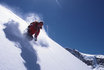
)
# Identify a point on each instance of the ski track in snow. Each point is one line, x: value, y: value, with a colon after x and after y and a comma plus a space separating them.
x: 17, y: 53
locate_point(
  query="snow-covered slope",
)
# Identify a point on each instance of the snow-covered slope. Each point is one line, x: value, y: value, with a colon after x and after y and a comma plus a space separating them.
x: 17, y: 53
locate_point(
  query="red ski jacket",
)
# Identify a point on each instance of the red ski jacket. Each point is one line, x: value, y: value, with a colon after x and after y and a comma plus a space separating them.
x: 34, y: 28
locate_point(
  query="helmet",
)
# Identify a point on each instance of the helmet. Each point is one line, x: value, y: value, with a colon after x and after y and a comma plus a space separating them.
x: 40, y: 24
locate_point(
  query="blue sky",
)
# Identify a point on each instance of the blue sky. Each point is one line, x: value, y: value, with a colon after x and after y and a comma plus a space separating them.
x: 77, y: 24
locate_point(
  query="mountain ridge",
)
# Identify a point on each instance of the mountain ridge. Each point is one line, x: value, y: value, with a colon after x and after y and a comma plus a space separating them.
x: 91, y: 60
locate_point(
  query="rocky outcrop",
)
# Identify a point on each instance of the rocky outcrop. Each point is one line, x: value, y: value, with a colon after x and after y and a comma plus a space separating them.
x: 90, y: 60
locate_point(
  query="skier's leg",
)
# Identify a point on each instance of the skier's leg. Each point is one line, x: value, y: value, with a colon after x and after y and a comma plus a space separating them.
x: 35, y: 37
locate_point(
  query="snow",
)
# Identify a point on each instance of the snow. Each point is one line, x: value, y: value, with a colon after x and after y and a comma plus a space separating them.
x: 99, y: 68
x: 17, y: 53
x: 100, y: 56
x: 10, y: 58
x: 91, y: 57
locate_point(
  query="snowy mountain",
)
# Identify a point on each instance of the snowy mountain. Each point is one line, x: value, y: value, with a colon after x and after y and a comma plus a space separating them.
x: 17, y: 53
x: 96, y: 62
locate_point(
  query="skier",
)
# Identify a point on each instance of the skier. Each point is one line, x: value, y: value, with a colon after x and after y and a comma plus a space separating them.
x: 34, y: 29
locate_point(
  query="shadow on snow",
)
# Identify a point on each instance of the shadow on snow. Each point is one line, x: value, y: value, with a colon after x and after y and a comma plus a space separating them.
x: 28, y: 53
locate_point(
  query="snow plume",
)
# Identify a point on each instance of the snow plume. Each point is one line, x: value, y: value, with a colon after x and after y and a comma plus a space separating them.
x: 32, y: 17
x: 7, y: 15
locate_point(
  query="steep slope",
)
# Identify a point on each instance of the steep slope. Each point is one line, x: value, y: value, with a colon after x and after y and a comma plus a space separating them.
x: 17, y: 53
